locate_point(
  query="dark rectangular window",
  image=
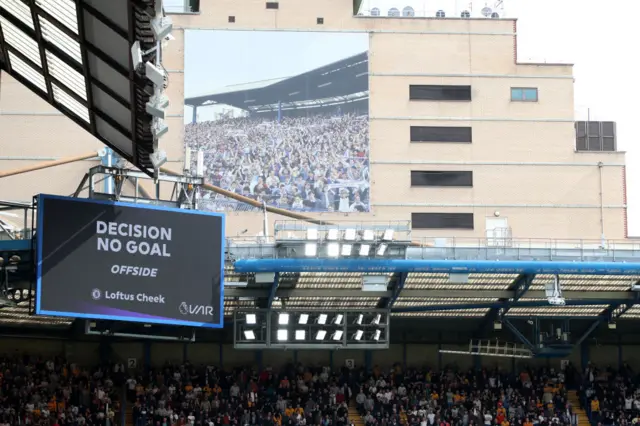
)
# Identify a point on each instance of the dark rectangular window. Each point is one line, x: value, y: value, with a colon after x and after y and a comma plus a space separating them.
x: 441, y: 220
x: 440, y: 134
x: 596, y: 136
x: 439, y: 93
x: 441, y: 178
x: 272, y: 5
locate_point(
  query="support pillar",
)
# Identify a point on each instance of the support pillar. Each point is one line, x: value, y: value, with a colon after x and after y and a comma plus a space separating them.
x: 439, y: 353
x: 584, y: 354
x: 620, y: 353
x: 259, y: 360
x: 368, y: 360
x: 147, y: 356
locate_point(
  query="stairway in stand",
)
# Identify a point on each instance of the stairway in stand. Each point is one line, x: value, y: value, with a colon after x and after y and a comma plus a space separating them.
x: 354, y: 415
x: 583, y: 418
x: 128, y: 415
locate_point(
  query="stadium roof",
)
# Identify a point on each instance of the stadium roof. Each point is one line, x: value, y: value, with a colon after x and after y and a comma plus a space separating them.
x: 340, y: 78
x: 75, y: 54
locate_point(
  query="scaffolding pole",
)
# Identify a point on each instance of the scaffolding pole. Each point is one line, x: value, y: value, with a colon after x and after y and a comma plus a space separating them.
x: 252, y: 202
x: 47, y: 164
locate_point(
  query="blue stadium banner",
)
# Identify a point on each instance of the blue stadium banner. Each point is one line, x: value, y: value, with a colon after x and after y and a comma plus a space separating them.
x: 282, y: 117
x: 130, y: 262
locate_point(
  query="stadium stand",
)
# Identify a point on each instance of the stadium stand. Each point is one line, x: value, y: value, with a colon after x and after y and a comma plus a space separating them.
x: 201, y: 395
x: 53, y: 391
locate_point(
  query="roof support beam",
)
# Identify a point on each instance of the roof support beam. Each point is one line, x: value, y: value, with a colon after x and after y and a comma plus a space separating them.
x: 41, y: 47
x: 4, y: 55
x: 131, y: 37
x: 518, y: 334
x: 612, y: 313
x: 572, y: 296
x: 519, y: 287
x: 464, y: 306
x: 105, y: 20
x: 402, y: 278
x: 399, y: 279
x: 604, y: 316
x: 273, y: 290
x: 85, y: 66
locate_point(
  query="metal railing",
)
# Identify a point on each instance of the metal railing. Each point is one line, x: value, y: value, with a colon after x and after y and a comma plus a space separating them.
x: 457, y: 248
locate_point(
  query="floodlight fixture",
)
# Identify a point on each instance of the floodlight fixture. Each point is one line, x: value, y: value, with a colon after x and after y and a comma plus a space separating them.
x: 158, y: 158
x: 376, y: 319
x: 332, y: 234
x: 159, y: 129
x: 282, y: 335
x: 310, y: 249
x: 368, y: 235
x: 283, y: 319
x: 155, y: 74
x: 250, y: 318
x: 303, y: 319
x: 359, y: 319
x: 249, y: 335
x: 338, y: 319
x: 161, y: 27
x: 337, y: 335
x: 157, y: 107
x: 382, y: 249
x: 350, y: 234
x: 136, y: 54
x: 387, y: 235
x: 376, y: 335
x: 321, y: 334
x: 346, y: 249
x: 364, y: 250
x: 333, y: 249
x: 358, y: 335
x: 200, y: 167
x: 301, y: 334
x: 322, y: 319
x: 312, y: 234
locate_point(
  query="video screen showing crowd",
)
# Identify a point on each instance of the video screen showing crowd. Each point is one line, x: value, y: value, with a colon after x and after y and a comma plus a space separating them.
x: 316, y: 163
x: 286, y: 126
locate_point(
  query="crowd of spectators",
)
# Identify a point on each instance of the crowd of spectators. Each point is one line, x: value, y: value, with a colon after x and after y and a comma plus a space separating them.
x: 186, y: 394
x: 315, y: 163
x: 40, y: 391
x: 486, y: 397
x: 55, y: 392
x: 611, y: 397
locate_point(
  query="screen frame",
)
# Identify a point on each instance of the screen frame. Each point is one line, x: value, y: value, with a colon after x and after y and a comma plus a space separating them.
x: 40, y: 221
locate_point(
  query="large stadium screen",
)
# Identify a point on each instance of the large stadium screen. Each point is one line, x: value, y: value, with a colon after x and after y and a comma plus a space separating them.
x: 117, y: 261
x: 282, y: 117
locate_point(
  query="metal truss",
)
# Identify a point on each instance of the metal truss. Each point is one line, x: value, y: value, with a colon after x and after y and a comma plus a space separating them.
x: 183, y: 193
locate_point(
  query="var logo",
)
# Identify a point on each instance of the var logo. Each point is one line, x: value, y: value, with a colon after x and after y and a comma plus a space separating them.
x: 186, y: 309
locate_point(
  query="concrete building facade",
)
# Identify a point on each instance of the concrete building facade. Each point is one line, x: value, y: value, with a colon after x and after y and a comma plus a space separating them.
x: 497, y: 157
